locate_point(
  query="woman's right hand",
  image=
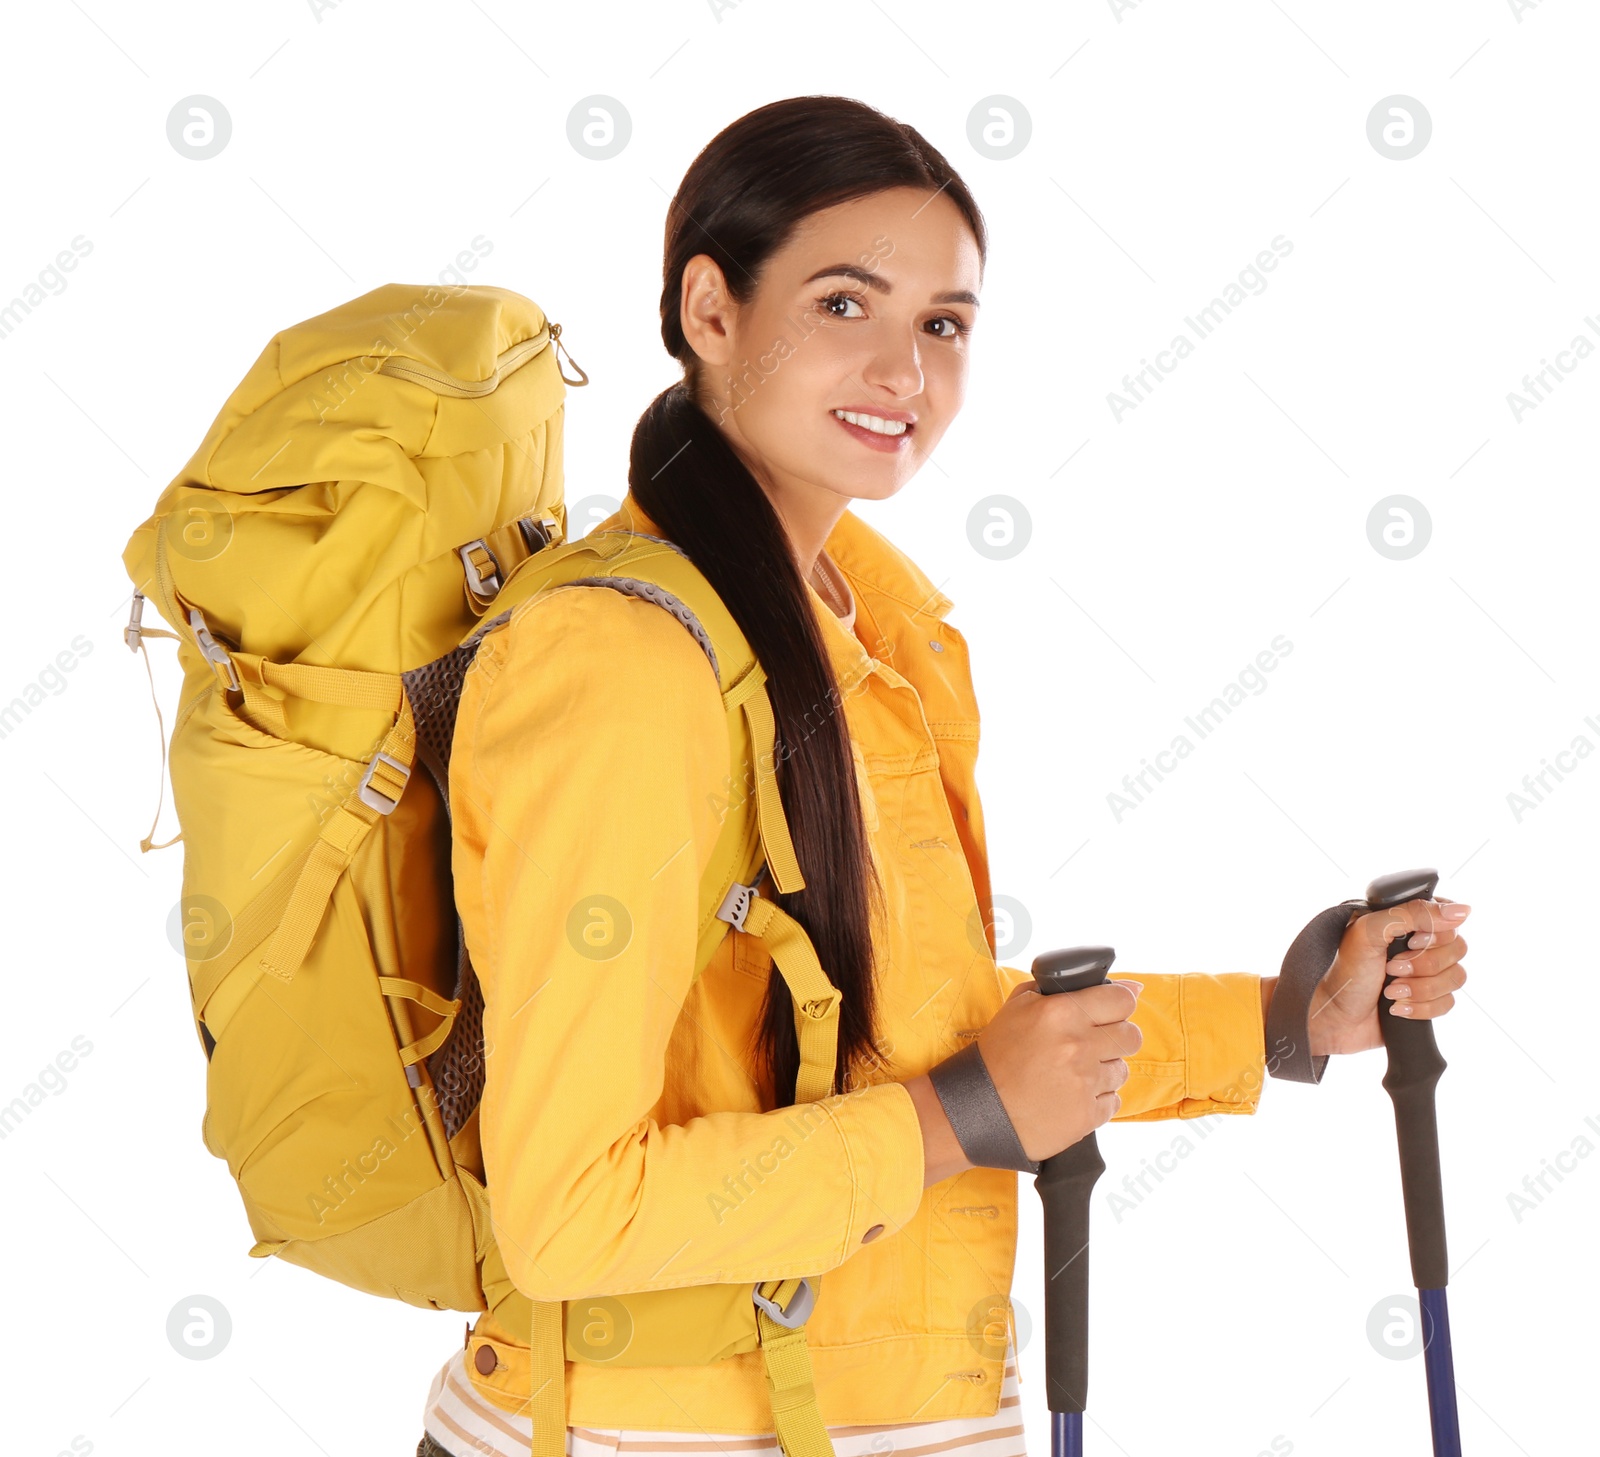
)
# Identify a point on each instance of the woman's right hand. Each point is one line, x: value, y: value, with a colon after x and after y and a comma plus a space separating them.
x: 1057, y: 1061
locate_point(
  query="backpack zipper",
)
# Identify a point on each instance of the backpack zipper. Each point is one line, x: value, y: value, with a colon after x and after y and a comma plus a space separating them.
x: 471, y: 389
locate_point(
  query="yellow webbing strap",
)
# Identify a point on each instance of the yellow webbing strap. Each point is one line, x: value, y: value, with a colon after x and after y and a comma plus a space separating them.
x: 423, y: 996
x: 816, y: 999
x: 547, y: 1366
x: 265, y: 684
x: 342, y: 833
x: 750, y: 694
x: 795, y: 1416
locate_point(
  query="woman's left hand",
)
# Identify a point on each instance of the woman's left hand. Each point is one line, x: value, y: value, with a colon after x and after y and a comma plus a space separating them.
x: 1350, y: 998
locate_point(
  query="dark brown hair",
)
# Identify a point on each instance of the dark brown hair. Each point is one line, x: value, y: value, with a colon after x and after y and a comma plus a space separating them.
x: 739, y: 202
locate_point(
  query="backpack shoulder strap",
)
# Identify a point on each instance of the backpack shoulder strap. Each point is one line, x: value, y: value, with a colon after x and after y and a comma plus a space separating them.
x: 658, y: 571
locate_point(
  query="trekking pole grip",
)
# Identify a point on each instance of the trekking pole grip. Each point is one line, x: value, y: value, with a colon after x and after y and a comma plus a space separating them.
x: 1415, y: 1064
x: 1066, y: 1185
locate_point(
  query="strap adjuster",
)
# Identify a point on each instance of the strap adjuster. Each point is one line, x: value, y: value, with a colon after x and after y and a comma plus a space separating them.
x: 736, y: 905
x: 482, y: 583
x: 130, y: 634
x: 800, y: 1307
x: 539, y: 532
x: 212, y: 651
x: 376, y: 797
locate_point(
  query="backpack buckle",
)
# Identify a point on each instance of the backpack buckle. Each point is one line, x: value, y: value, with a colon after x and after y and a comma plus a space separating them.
x: 377, y: 798
x: 800, y: 1307
x: 736, y: 905
x: 481, y: 582
x: 213, y: 651
x: 539, y: 532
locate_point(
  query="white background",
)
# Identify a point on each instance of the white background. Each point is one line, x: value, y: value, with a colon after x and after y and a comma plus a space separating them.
x: 1170, y: 144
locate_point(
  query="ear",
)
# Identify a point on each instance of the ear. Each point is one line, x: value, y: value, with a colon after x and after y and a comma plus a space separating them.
x: 706, y: 312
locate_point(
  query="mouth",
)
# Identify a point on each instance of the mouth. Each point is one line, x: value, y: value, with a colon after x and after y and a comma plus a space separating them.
x: 876, y: 432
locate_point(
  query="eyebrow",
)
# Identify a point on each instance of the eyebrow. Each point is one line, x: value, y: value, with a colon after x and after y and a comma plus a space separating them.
x: 872, y: 280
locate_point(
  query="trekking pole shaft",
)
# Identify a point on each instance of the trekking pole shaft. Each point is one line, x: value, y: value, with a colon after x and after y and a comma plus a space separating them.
x: 1440, y: 1364
x: 1415, y: 1065
x: 1066, y: 1185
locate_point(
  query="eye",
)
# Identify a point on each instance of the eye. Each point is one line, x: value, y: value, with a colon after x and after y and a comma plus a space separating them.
x: 845, y: 297
x: 958, y: 326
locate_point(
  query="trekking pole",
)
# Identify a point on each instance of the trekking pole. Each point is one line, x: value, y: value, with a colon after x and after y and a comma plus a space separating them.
x: 1066, y: 1184
x: 1414, y: 1067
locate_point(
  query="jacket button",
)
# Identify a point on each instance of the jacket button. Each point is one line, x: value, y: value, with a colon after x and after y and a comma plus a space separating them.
x: 485, y: 1360
x: 872, y: 1233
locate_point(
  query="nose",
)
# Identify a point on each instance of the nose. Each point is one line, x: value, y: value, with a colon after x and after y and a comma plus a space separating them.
x: 896, y: 365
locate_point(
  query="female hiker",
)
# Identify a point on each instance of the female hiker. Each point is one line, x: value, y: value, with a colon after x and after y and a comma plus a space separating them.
x: 641, y: 1133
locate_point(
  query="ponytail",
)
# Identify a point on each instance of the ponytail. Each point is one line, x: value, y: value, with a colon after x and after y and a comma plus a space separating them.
x: 741, y: 200
x: 693, y: 485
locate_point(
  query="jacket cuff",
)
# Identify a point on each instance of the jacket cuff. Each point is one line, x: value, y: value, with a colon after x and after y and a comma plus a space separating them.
x: 1225, y: 1043
x: 882, y: 1137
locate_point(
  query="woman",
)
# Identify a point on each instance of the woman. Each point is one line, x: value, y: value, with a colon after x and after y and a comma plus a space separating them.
x: 821, y: 279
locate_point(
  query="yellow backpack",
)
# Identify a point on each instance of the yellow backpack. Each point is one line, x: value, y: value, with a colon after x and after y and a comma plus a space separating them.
x: 381, y: 490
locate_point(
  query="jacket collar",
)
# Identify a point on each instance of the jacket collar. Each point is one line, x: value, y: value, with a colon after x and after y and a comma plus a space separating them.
x: 865, y: 555
x: 894, y: 596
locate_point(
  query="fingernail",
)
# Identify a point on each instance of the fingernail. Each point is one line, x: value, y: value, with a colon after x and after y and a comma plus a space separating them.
x: 1398, y: 992
x: 1400, y: 1009
x: 1419, y: 939
x: 1456, y: 912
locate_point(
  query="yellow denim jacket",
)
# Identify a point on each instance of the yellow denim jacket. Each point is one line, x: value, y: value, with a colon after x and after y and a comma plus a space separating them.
x: 629, y: 1143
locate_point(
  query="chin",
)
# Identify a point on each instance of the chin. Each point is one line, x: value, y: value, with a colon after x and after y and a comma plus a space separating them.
x: 876, y: 490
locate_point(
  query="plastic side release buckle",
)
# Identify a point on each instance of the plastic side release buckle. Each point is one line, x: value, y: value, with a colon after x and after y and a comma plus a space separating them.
x: 799, y: 1311
x: 376, y: 797
x: 213, y: 651
x: 483, y: 571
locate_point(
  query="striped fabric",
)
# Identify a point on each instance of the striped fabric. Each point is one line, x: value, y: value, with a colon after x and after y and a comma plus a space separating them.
x: 834, y: 590
x: 465, y: 1425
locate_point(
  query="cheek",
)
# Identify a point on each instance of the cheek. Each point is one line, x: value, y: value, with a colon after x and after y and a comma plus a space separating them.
x: 789, y: 393
x: 945, y: 379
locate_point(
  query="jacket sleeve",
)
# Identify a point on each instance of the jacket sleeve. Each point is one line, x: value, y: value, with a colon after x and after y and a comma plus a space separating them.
x: 589, y: 751
x: 1204, y: 1046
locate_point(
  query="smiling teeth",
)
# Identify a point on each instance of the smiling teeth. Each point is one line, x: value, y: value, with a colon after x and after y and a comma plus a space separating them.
x: 875, y: 423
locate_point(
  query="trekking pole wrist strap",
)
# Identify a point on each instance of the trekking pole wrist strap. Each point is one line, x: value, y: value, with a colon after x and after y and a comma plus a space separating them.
x: 971, y: 1102
x: 1287, y: 1030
